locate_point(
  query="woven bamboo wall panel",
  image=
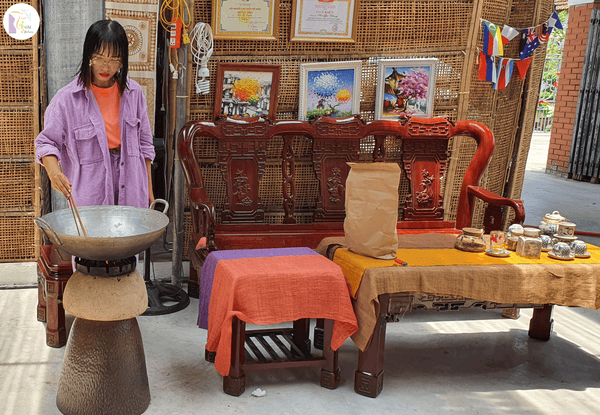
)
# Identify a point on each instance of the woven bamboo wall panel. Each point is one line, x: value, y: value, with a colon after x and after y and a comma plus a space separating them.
x: 383, y: 27
x: 16, y: 77
x: 6, y: 41
x: 17, y: 238
x: 407, y: 29
x: 16, y: 131
x: 16, y: 185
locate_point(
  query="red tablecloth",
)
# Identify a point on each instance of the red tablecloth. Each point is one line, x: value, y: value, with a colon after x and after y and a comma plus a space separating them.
x: 272, y: 290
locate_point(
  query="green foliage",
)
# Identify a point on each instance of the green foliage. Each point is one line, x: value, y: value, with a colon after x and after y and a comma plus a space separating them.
x: 551, y: 75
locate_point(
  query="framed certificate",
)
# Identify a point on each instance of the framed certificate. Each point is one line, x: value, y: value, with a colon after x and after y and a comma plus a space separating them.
x: 245, y: 19
x: 324, y: 20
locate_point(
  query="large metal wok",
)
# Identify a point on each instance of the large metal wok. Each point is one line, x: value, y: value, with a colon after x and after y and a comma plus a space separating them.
x: 113, y: 232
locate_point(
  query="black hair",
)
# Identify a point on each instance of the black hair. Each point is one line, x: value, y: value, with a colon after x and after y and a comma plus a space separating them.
x: 105, y: 35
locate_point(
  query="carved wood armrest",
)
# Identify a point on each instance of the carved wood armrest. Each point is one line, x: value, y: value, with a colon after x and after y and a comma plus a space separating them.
x: 206, y: 219
x: 494, y: 201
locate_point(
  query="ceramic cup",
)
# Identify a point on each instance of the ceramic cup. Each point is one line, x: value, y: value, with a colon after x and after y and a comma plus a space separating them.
x: 546, y: 242
x: 579, y: 248
x: 497, y: 240
x: 566, y: 229
x: 515, y: 230
x: 561, y: 249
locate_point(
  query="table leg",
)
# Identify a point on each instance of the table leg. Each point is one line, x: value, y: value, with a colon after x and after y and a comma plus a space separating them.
x: 330, y: 373
x: 318, y: 334
x: 368, y: 378
x: 300, y: 335
x: 41, y: 307
x: 235, y: 383
x: 540, y: 325
x: 193, y: 285
x: 56, y: 334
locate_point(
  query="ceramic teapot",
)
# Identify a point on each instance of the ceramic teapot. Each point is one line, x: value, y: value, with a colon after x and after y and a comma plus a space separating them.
x: 549, y: 223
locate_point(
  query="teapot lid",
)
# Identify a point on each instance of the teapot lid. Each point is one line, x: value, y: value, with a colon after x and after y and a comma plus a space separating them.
x: 554, y: 216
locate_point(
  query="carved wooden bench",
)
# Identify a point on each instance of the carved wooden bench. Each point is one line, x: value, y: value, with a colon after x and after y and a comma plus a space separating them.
x: 307, y: 161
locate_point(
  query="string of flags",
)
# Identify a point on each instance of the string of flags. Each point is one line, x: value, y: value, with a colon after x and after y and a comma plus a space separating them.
x: 497, y: 69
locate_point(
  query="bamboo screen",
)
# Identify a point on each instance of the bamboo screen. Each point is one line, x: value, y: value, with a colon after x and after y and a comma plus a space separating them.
x: 20, y: 175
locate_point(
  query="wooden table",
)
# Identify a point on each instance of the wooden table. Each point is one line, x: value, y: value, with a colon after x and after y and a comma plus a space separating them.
x: 387, y: 291
x: 257, y: 287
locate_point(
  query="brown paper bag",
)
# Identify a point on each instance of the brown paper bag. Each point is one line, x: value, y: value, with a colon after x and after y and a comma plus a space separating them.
x: 372, y: 209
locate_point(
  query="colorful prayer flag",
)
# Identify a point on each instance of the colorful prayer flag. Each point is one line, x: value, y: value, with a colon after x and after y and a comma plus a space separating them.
x: 508, y: 34
x: 492, y: 39
x: 505, y: 70
x: 522, y: 67
x: 543, y: 32
x: 554, y: 21
x: 487, y: 68
x: 530, y: 42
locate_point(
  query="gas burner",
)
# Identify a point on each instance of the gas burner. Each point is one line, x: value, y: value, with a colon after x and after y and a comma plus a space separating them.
x: 105, y: 268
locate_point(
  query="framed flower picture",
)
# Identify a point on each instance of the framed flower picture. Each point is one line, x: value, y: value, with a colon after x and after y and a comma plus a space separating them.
x: 246, y: 90
x: 405, y: 87
x: 330, y: 89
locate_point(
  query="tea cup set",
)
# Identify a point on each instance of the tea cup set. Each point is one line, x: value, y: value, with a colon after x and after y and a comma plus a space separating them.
x: 564, y: 245
x: 555, y: 235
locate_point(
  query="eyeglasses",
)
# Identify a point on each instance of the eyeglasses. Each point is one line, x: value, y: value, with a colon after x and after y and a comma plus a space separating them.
x: 113, y: 64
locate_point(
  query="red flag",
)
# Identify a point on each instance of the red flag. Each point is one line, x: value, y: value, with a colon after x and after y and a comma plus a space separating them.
x: 487, y: 68
x: 522, y: 67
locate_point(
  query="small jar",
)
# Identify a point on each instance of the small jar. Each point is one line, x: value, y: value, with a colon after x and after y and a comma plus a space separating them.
x: 531, y: 232
x: 471, y: 240
x: 529, y: 247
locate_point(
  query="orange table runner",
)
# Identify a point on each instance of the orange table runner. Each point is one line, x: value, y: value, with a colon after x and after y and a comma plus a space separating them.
x: 272, y: 290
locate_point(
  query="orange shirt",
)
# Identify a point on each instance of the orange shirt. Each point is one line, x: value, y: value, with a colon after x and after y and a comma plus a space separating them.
x: 109, y: 101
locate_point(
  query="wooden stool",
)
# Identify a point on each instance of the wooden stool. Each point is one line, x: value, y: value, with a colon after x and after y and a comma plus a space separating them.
x: 54, y: 269
x: 292, y: 349
x: 266, y: 287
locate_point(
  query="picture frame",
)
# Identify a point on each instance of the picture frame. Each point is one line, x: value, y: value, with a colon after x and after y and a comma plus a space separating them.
x: 245, y: 19
x: 405, y: 87
x: 330, y: 89
x: 246, y: 90
x: 324, y: 21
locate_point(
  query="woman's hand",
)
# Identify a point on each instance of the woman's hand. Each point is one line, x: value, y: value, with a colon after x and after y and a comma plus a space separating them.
x: 57, y: 178
x: 149, y: 171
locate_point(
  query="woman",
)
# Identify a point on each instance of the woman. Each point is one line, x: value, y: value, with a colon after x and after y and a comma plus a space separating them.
x: 96, y: 144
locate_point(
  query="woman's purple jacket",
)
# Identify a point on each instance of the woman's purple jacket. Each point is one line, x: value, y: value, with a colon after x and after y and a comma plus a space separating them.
x: 74, y: 132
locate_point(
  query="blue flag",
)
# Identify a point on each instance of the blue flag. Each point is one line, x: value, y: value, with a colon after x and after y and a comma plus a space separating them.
x: 530, y: 42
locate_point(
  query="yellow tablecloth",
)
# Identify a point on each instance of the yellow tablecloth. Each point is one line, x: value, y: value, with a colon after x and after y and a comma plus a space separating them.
x: 354, y: 265
x: 478, y: 276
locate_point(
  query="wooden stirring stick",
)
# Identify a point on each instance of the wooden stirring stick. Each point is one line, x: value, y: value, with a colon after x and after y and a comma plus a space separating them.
x: 74, y: 206
x: 74, y: 210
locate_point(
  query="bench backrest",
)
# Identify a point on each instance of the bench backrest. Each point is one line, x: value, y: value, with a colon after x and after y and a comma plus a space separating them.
x: 242, y: 158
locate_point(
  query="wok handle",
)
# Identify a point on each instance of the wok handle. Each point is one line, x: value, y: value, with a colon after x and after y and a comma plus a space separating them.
x: 160, y: 201
x: 43, y: 225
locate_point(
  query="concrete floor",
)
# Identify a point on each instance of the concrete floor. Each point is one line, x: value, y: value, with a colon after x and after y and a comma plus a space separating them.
x: 471, y: 362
